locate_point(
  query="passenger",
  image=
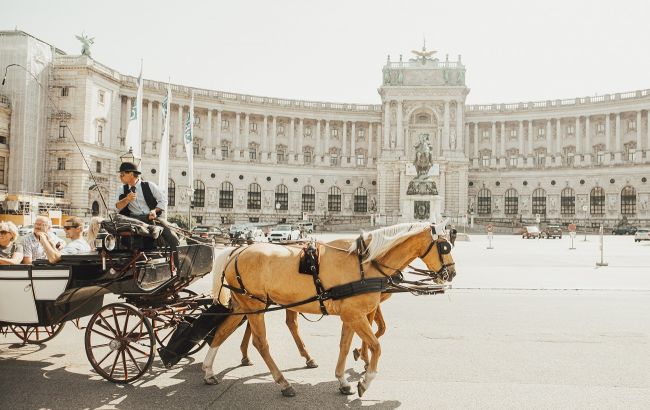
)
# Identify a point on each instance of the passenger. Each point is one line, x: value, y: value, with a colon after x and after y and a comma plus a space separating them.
x: 73, y: 230
x: 11, y: 253
x: 144, y: 202
x: 31, y: 245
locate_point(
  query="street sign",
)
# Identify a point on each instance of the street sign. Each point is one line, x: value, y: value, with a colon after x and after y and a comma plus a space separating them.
x: 572, y: 228
x: 489, y: 228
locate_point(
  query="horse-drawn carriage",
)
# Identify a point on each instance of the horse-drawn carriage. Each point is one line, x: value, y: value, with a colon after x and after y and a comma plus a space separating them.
x: 36, y: 301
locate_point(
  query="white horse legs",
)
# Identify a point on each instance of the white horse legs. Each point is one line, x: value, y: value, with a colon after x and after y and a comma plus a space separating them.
x: 344, y: 349
x: 209, y: 378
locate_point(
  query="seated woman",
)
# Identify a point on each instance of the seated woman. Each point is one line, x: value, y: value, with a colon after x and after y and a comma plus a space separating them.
x: 11, y: 253
x: 73, y: 230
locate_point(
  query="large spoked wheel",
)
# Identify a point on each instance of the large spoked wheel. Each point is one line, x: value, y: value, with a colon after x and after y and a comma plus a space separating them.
x: 120, y: 343
x: 165, y: 325
x: 36, y: 335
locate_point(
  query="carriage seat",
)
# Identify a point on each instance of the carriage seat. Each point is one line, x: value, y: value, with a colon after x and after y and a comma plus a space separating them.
x: 124, y: 226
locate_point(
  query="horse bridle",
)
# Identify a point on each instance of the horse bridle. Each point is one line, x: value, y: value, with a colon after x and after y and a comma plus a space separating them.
x: 444, y: 247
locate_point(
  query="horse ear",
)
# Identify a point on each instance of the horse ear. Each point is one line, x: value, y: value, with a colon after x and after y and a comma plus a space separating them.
x: 440, y: 227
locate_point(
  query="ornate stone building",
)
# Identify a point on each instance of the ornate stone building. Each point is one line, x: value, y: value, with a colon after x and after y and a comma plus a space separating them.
x: 265, y: 159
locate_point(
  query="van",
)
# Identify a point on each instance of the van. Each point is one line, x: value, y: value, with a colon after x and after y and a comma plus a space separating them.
x: 307, y: 226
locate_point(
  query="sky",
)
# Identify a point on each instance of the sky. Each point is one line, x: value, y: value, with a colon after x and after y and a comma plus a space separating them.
x: 334, y: 50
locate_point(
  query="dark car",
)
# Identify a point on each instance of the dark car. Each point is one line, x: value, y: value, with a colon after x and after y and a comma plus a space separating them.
x: 530, y: 232
x: 552, y: 231
x: 624, y: 230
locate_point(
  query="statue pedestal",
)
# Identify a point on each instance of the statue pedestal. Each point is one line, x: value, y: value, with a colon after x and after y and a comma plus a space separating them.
x: 421, y: 208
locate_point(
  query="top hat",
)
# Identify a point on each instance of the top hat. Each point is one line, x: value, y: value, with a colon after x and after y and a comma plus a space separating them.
x: 129, y: 167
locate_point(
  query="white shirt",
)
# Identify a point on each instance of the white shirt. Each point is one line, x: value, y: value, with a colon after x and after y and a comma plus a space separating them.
x: 75, y: 247
x: 33, y: 247
x: 139, y: 206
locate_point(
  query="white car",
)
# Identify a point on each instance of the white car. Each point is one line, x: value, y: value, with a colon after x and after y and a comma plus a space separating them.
x: 642, y: 234
x: 283, y: 233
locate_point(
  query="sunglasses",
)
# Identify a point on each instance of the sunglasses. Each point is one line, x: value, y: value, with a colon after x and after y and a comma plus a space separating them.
x: 70, y: 227
x: 4, y: 232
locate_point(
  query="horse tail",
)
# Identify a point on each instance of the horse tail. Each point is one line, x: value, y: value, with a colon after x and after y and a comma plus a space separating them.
x: 220, y: 294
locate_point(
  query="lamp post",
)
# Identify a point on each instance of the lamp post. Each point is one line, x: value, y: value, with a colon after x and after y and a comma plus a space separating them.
x: 129, y: 157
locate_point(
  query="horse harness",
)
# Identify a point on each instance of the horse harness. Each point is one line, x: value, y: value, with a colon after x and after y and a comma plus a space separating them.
x: 309, y: 265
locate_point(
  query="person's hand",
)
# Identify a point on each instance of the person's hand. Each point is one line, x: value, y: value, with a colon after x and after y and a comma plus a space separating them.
x: 41, y: 236
x: 131, y: 196
x: 152, y: 215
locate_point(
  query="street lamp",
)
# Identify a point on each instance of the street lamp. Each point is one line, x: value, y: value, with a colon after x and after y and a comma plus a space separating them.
x: 130, y: 157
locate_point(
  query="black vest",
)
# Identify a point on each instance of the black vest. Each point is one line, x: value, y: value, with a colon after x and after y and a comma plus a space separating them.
x: 148, y: 197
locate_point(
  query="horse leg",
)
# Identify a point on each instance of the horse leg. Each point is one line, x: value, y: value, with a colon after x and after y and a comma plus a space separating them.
x: 362, y: 351
x: 378, y: 318
x: 225, y: 329
x: 364, y: 330
x: 292, y: 324
x: 245, y: 360
x: 258, y: 328
x: 344, y: 349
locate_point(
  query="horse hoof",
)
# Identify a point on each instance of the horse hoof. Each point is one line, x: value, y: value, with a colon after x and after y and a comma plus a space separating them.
x: 360, y: 389
x: 211, y: 381
x: 289, y: 392
x: 356, y: 354
x: 311, y: 364
x: 246, y: 362
x: 347, y: 390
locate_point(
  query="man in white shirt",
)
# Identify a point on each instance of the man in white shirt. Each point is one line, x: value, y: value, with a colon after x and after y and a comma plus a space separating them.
x: 31, y: 244
x: 73, y: 230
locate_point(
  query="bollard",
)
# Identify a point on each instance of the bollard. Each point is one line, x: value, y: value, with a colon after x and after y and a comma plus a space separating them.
x: 572, y: 235
x: 490, y: 241
x: 602, y: 243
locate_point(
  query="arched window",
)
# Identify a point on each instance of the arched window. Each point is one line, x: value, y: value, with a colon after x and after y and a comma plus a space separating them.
x: 199, y: 194
x: 281, y: 197
x: 484, y: 202
x: 308, y: 199
x: 539, y: 202
x: 254, y: 196
x: 171, y: 193
x: 568, y: 201
x: 360, y: 200
x: 597, y: 201
x: 334, y: 199
x: 628, y: 201
x: 95, y: 208
x: 225, y: 195
x: 511, y: 202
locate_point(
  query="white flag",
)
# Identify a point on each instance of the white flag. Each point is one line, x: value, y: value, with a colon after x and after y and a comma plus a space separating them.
x: 134, y: 129
x: 163, y: 164
x: 188, y: 139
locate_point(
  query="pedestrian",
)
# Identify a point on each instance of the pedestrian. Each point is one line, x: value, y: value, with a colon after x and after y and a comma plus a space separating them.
x: 73, y: 230
x: 31, y: 244
x: 11, y: 253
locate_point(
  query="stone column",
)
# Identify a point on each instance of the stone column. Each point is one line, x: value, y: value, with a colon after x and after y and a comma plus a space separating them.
x: 370, y: 153
x: 179, y: 133
x: 529, y: 151
x: 459, y: 127
x: 587, y: 148
x: 246, y: 136
x: 217, y: 142
x: 502, y: 140
x: 549, y: 139
x: 493, y: 140
x: 386, y: 126
x: 380, y: 137
x: 236, y: 136
x: 608, y: 134
x: 301, y: 135
x: 638, y: 134
x: 445, y: 132
x: 520, y: 138
x: 326, y: 148
x: 265, y: 139
x: 618, y: 132
x: 558, y: 136
x: 292, y: 138
x: 208, y: 135
x: 466, y: 141
x: 344, y: 141
x: 274, y: 141
x: 353, y: 143
x: 318, y: 149
x: 400, y: 126
x: 148, y: 136
x: 157, y: 126
x: 476, y: 139
x: 647, y: 130
x: 578, y: 135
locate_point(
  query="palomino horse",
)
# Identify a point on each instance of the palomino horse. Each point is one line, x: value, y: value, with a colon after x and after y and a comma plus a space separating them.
x: 264, y: 273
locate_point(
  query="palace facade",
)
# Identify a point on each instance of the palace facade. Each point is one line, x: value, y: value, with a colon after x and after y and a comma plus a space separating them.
x: 266, y: 159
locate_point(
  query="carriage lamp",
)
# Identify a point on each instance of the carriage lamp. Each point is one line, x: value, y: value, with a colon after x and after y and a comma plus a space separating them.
x: 130, y: 157
x: 109, y: 242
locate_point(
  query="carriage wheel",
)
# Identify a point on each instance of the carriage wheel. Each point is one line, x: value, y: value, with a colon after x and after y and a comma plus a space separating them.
x: 165, y: 325
x: 36, y: 335
x: 120, y: 343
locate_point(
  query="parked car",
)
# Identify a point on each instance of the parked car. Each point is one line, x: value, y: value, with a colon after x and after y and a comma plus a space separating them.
x: 205, y: 231
x: 624, y: 230
x: 283, y: 233
x: 248, y: 235
x: 531, y: 232
x: 642, y: 234
x: 551, y: 231
x: 307, y: 226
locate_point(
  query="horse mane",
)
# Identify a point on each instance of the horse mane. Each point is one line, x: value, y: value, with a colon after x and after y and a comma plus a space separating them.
x: 383, y: 239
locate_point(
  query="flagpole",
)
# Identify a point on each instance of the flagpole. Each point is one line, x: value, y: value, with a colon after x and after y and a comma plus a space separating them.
x: 188, y: 139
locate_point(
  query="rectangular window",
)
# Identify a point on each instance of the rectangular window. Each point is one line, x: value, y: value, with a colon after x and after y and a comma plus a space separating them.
x: 361, y: 160
x: 3, y: 139
x: 62, y: 127
x: 485, y: 161
x: 335, y: 132
x: 308, y: 132
x: 224, y: 152
x: 570, y: 129
x: 280, y: 156
x: 540, y: 160
x: 65, y: 91
x: 196, y: 149
x: 225, y: 124
x: 225, y: 199
x: 513, y: 133
x: 513, y: 162
x: 361, y: 134
x: 252, y: 154
x: 360, y: 203
x: 100, y: 97
x: 334, y: 202
x: 253, y: 127
x: 280, y: 129
x: 307, y: 157
x: 334, y: 160
x: 600, y: 128
x: 59, y: 194
x: 541, y: 132
x: 308, y: 202
x: 631, y: 154
x: 254, y: 200
x: 570, y: 159
x: 631, y: 125
x: 98, y: 167
x: 600, y: 157
x: 485, y: 134
x: 2, y: 169
x: 60, y: 164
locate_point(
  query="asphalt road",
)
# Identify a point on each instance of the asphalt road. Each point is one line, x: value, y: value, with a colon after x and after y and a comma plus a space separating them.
x: 535, y: 344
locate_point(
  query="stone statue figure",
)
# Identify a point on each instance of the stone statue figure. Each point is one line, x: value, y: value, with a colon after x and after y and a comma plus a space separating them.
x: 452, y: 138
x: 86, y: 42
x: 386, y: 76
x: 445, y: 76
x: 422, y: 184
x: 460, y: 77
x: 400, y: 77
x: 373, y: 204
